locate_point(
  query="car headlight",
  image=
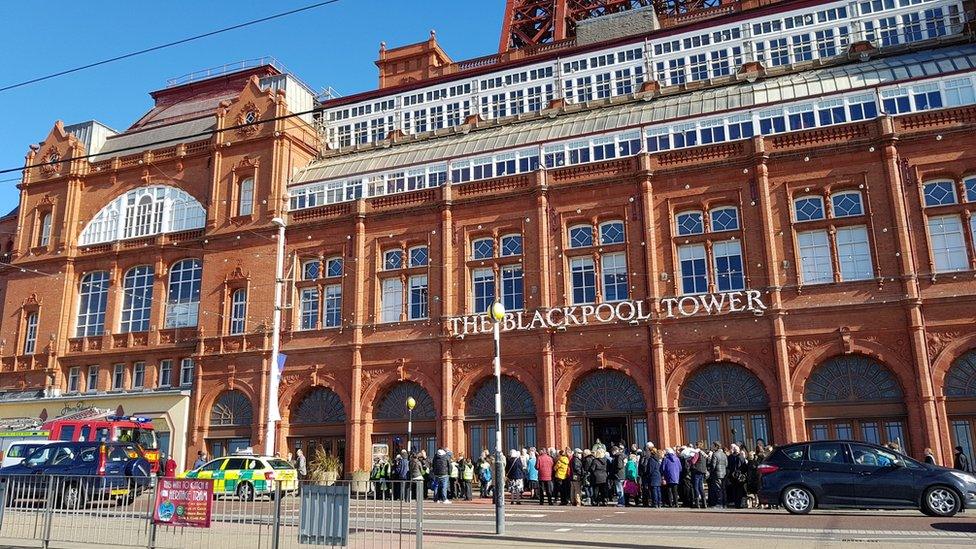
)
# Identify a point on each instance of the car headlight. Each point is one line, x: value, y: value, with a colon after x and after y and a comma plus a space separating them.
x: 965, y: 477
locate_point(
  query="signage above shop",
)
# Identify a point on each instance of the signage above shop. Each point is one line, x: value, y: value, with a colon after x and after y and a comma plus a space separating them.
x: 608, y: 313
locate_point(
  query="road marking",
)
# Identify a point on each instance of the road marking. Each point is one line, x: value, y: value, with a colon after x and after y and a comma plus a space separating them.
x: 562, y: 529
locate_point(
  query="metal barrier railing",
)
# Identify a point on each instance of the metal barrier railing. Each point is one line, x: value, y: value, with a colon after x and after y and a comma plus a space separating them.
x: 101, y: 511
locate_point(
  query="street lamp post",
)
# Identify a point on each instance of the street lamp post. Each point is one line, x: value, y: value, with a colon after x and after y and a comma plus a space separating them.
x: 273, y: 414
x: 497, y: 314
x: 410, y: 405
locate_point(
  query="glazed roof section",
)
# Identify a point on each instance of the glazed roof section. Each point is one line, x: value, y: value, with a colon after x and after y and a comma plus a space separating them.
x: 135, y: 141
x: 513, y: 133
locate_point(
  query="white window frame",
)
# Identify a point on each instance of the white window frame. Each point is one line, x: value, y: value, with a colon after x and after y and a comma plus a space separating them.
x: 30, y: 332
x: 92, y: 303
x: 947, y: 257
x: 187, y: 366
x: 391, y: 300
x: 854, y: 255
x: 677, y: 222
x: 711, y: 219
x: 118, y: 377
x: 139, y: 375
x: 44, y: 238
x: 91, y: 380
x: 238, y: 311
x: 183, y: 295
x: 796, y: 210
x: 137, y: 299
x: 165, y: 373
x: 818, y: 258
x: 418, y: 283
x: 245, y: 197
x: 74, y: 379
x: 833, y: 208
x: 569, y: 235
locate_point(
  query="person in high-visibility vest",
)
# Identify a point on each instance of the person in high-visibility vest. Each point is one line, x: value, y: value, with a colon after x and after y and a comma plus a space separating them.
x: 467, y: 477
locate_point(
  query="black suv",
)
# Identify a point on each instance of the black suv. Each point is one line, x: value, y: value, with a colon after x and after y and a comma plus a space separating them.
x: 850, y: 474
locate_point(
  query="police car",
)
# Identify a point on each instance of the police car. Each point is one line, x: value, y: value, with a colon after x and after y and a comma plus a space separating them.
x: 247, y: 476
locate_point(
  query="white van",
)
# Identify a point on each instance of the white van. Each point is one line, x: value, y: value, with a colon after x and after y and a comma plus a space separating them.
x: 17, y: 450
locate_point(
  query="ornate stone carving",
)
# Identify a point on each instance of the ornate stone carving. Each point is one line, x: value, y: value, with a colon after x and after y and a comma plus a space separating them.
x: 370, y: 375
x: 285, y: 382
x: 674, y: 358
x: 247, y: 120
x: 52, y: 164
x: 846, y: 339
x: 937, y: 341
x: 238, y: 273
x: 563, y: 367
x: 798, y: 349
x: 461, y: 370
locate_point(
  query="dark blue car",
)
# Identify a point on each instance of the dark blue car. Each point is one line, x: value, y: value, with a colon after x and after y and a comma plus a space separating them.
x: 75, y: 473
x: 833, y: 474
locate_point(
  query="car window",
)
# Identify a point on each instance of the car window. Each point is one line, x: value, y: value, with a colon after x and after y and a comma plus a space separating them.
x: 67, y: 432
x: 213, y: 465
x: 253, y: 464
x: 40, y: 456
x: 117, y: 454
x: 21, y: 450
x: 279, y: 464
x: 101, y: 435
x: 873, y: 457
x: 796, y: 453
x: 88, y: 455
x: 235, y: 464
x: 828, y: 452
x: 147, y: 439
x: 63, y: 456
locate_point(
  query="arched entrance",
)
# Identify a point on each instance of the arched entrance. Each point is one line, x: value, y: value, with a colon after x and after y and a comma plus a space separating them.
x: 724, y: 402
x: 609, y: 406
x: 960, y: 392
x: 854, y: 397
x: 318, y: 418
x: 229, y: 429
x: 390, y: 419
x: 518, y: 417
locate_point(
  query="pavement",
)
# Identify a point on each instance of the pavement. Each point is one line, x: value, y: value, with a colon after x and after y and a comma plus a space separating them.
x: 471, y: 524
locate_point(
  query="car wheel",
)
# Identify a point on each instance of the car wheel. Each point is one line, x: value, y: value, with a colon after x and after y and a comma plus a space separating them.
x: 72, y: 496
x: 940, y: 501
x: 245, y: 491
x: 797, y: 500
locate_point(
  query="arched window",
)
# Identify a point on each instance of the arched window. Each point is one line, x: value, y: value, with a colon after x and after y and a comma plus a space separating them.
x: 183, y: 303
x: 724, y: 402
x: 238, y: 311
x: 92, y: 302
x: 144, y: 212
x: 321, y: 405
x: 960, y: 381
x: 137, y: 298
x: 808, y: 208
x: 232, y: 409
x: 516, y: 400
x: 45, y: 235
x: 846, y: 204
x: 483, y: 248
x: 607, y: 391
x: 393, y: 406
x: 245, y: 197
x: 688, y: 223
x: 853, y: 379
x: 723, y: 386
x: 580, y: 236
x: 612, y: 232
x: 725, y: 218
x: 960, y: 391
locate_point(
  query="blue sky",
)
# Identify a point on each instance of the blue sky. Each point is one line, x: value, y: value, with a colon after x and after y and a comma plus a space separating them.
x: 334, y: 45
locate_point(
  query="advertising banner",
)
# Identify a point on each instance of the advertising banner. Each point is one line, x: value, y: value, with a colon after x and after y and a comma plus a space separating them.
x: 183, y: 502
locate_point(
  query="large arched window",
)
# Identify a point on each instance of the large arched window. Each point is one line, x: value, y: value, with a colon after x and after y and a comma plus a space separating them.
x: 137, y: 298
x: 607, y: 406
x: 516, y: 400
x: 854, y: 379
x: 183, y: 302
x: 960, y: 392
x: 518, y: 416
x: 92, y: 302
x: 607, y: 391
x: 854, y: 397
x: 321, y: 405
x: 232, y: 409
x: 724, y: 402
x: 143, y: 212
x: 394, y: 407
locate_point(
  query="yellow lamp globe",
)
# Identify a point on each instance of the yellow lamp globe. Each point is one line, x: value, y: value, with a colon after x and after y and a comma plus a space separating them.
x: 411, y: 403
x: 497, y: 311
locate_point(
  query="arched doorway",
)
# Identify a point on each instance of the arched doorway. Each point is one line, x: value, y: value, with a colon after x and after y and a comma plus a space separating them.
x: 390, y: 419
x: 854, y: 397
x: 724, y: 402
x: 609, y: 406
x: 318, y: 418
x: 959, y: 389
x: 518, y: 417
x: 229, y: 429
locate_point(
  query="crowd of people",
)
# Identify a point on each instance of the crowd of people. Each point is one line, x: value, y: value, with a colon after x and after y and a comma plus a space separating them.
x: 691, y: 475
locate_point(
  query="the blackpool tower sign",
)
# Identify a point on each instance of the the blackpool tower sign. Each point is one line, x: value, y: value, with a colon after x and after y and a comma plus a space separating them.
x: 619, y: 311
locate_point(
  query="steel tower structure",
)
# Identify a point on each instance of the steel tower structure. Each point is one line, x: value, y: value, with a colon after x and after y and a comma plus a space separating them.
x: 537, y: 22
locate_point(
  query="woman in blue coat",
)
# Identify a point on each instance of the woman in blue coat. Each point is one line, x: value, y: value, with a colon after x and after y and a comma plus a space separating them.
x: 671, y: 475
x: 651, y: 476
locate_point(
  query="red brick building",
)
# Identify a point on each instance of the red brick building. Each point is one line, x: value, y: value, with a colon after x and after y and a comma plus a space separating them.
x: 752, y: 225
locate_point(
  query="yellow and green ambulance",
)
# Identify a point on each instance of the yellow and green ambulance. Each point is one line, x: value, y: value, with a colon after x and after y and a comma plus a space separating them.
x: 247, y: 476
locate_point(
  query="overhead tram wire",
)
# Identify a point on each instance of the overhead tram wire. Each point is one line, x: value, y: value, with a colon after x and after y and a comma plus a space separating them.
x: 167, y: 45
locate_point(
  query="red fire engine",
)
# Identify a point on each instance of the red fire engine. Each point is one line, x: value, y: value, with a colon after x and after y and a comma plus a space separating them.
x: 100, y: 425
